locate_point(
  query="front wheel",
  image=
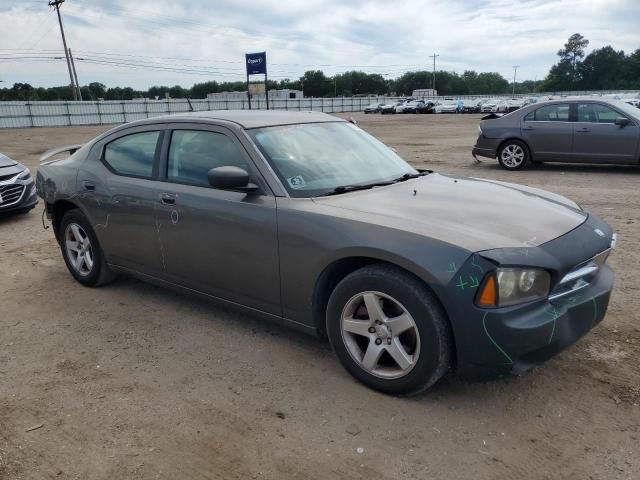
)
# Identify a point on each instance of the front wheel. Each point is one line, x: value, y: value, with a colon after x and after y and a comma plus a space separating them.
x: 388, y: 330
x: 513, y: 155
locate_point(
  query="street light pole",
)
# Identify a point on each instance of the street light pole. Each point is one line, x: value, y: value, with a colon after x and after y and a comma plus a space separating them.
x: 434, y: 56
x: 515, y: 71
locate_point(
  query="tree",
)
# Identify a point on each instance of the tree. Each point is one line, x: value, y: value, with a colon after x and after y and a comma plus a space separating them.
x: 604, y: 68
x: 200, y: 90
x: 358, y: 83
x: 565, y: 75
x: 316, y: 84
x: 573, y: 49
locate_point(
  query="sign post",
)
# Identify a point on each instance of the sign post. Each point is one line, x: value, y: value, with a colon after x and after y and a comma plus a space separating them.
x: 257, y: 65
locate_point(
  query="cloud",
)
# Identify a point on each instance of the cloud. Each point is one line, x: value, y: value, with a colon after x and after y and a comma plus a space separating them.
x: 206, y: 39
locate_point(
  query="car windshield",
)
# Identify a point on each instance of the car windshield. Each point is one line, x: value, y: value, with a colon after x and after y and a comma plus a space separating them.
x: 628, y: 109
x: 316, y: 158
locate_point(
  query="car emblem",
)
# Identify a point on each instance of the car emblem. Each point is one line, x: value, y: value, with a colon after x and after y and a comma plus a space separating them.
x: 599, y: 232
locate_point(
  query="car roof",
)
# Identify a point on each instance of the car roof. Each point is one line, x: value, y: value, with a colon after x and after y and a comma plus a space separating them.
x: 248, y: 118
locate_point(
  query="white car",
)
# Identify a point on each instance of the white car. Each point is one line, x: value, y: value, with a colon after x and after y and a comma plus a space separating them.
x: 635, y: 102
x: 495, y: 106
x: 391, y: 107
x: 448, y: 106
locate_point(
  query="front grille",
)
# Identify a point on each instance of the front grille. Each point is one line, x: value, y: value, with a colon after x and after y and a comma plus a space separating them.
x: 4, y: 178
x: 580, y: 276
x: 10, y: 194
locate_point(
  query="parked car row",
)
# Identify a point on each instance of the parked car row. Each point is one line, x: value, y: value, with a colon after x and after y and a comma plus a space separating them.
x: 401, y: 106
x: 448, y: 105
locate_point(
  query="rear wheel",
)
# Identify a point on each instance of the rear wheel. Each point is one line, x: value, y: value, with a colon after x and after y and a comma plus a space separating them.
x: 388, y: 330
x: 81, y: 251
x: 513, y: 155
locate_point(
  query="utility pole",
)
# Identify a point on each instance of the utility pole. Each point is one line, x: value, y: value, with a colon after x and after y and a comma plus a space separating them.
x: 75, y: 75
x: 515, y: 71
x: 57, y: 3
x: 434, y: 56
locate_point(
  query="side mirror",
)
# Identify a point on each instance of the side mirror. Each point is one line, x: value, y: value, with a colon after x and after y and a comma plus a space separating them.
x: 622, y: 121
x: 231, y: 178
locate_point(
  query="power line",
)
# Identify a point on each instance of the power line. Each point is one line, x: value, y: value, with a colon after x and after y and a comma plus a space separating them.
x: 45, y: 17
x: 44, y: 34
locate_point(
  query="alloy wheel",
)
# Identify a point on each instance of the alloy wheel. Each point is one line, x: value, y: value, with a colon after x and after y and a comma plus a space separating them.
x: 380, y: 335
x: 512, y: 156
x: 78, y: 248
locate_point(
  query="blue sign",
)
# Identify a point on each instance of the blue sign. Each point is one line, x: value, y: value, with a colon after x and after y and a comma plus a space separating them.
x: 256, y: 63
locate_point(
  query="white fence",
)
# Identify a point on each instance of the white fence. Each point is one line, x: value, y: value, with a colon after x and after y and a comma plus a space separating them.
x: 66, y: 113
x: 55, y: 114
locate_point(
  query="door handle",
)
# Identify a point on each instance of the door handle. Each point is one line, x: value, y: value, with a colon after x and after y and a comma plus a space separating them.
x: 582, y: 130
x: 167, y: 199
x: 90, y: 187
x: 527, y: 128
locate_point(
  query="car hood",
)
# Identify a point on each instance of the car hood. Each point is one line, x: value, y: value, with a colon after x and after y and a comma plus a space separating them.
x: 6, y: 161
x: 474, y: 214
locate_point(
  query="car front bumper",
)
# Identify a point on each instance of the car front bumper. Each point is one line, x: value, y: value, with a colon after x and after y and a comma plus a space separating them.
x: 17, y: 195
x: 526, y: 337
x: 495, y: 341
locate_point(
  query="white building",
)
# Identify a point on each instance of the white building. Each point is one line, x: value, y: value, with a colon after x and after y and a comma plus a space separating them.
x: 284, y: 94
x: 425, y: 92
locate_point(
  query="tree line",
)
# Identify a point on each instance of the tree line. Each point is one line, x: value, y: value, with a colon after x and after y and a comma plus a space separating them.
x: 602, y: 69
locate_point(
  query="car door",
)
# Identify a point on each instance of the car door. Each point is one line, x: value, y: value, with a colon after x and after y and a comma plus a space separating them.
x: 117, y: 192
x: 548, y: 132
x: 598, y: 139
x: 219, y: 242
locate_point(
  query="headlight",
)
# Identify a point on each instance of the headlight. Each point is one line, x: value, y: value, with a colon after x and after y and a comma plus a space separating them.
x: 25, y: 174
x: 512, y: 286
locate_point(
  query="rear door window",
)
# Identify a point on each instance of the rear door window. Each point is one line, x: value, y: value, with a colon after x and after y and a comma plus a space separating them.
x: 550, y: 113
x: 133, y: 155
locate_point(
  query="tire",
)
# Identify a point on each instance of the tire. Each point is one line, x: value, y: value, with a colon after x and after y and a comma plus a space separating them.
x: 425, y: 338
x: 92, y: 271
x: 513, y: 155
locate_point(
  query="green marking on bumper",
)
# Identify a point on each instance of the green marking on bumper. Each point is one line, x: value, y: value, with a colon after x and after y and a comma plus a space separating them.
x: 484, y: 324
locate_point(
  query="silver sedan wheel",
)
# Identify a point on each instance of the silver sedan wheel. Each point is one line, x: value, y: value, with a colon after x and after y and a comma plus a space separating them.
x: 380, y: 335
x: 512, y: 156
x: 78, y: 247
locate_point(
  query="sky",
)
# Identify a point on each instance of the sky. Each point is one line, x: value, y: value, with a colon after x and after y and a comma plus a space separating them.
x: 145, y: 43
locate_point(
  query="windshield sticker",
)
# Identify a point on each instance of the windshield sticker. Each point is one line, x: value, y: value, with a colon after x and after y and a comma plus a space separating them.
x: 297, y: 182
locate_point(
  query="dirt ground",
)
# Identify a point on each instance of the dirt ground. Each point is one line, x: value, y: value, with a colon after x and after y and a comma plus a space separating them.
x: 132, y: 381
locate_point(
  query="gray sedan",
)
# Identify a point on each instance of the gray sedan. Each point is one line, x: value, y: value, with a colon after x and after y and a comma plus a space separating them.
x: 305, y: 219
x: 576, y: 130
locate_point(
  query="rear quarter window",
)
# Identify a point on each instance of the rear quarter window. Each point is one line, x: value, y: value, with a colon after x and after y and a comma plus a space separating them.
x: 132, y: 155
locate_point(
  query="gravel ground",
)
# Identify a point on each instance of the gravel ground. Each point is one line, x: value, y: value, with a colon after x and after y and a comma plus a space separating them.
x: 132, y: 381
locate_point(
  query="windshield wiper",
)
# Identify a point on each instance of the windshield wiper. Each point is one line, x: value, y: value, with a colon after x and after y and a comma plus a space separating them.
x: 353, y: 188
x: 366, y: 186
x: 409, y: 176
